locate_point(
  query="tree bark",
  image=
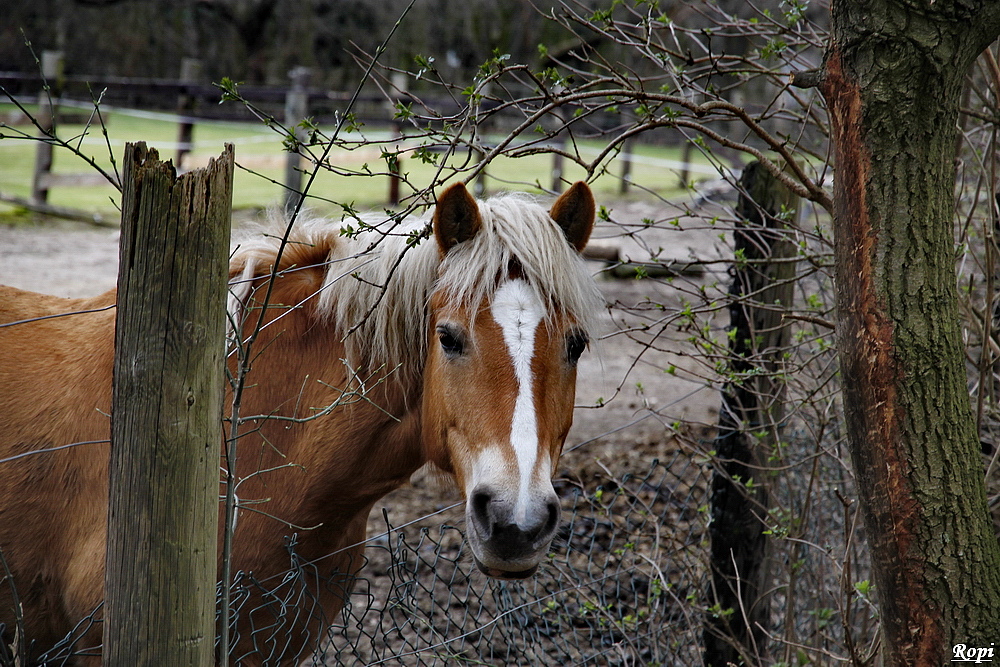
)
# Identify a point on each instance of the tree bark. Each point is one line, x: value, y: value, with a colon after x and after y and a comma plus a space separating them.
x: 892, y: 82
x: 749, y: 422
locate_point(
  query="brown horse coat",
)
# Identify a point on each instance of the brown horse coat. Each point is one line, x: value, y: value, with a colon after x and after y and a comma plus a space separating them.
x: 328, y: 424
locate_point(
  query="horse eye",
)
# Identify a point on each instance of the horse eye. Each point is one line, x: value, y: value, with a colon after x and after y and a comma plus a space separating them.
x: 576, y: 343
x: 451, y: 341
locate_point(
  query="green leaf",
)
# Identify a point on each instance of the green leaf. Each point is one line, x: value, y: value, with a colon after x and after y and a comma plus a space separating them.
x: 403, y: 111
x: 229, y: 90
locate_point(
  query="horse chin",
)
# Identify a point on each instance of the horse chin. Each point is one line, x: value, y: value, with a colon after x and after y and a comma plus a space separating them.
x: 506, y: 575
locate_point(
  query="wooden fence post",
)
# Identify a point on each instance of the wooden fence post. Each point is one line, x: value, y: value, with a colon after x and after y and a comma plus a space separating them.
x: 626, y: 156
x: 749, y: 422
x: 480, y: 189
x: 191, y: 69
x: 557, y: 157
x: 166, y: 427
x: 296, y: 109
x: 400, y: 91
x: 52, y: 72
x: 400, y: 86
x: 560, y: 139
x: 685, y: 174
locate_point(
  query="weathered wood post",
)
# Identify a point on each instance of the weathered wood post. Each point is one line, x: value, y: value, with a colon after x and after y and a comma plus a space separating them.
x: 191, y: 69
x: 296, y: 109
x: 749, y: 421
x: 166, y: 427
x: 52, y: 72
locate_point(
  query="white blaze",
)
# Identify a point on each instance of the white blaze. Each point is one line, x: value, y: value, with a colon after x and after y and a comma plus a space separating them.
x: 518, y: 311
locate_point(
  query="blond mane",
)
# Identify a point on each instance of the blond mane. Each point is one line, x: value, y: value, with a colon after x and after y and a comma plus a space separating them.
x: 377, y: 286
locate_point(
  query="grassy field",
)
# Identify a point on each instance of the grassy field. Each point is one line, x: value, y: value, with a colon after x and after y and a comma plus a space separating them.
x: 261, y: 160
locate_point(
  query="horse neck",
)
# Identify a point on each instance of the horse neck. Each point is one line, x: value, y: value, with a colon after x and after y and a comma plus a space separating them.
x: 340, y: 437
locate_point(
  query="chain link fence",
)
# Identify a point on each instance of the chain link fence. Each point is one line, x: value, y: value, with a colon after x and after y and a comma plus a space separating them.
x: 628, y: 579
x: 621, y: 587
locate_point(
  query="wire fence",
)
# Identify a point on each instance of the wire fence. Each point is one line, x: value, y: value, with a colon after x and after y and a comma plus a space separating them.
x: 621, y: 587
x: 627, y: 581
x: 625, y: 584
x: 616, y: 590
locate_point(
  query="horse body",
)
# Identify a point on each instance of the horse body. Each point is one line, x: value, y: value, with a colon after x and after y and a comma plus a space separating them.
x: 307, y: 478
x: 54, y: 379
x: 369, y: 364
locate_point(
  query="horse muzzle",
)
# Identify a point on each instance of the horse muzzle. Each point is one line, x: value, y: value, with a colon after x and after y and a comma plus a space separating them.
x: 509, y: 540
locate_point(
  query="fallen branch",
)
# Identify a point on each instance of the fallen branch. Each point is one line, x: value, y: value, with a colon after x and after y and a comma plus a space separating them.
x: 59, y: 211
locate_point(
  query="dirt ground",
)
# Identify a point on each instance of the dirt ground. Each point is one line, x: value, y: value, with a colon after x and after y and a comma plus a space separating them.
x: 643, y: 403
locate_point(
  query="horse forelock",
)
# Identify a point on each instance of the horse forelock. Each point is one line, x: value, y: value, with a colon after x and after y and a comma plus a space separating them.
x: 377, y: 284
x: 518, y: 233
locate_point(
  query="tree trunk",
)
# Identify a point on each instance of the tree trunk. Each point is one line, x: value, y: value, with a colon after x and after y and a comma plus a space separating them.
x: 892, y: 83
x: 749, y: 422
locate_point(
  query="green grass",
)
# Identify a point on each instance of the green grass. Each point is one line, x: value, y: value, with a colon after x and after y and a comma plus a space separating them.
x: 260, y: 161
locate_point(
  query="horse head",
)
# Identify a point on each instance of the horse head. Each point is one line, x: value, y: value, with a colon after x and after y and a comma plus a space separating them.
x: 500, y: 371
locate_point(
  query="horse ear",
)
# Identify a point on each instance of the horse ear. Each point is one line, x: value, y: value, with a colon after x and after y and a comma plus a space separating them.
x: 456, y: 217
x: 574, y: 213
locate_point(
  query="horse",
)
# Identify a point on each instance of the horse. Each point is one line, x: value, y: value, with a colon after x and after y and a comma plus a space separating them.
x: 376, y: 352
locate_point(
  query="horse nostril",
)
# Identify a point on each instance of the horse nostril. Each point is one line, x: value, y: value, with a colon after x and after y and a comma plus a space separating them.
x: 493, y: 520
x: 481, y: 512
x: 544, y: 529
x: 553, y: 519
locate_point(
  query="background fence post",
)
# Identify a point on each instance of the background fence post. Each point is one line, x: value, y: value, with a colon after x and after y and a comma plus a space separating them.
x: 400, y: 87
x: 296, y: 110
x: 52, y: 72
x: 626, y: 156
x: 749, y: 421
x: 166, y: 427
x: 191, y: 69
x: 477, y: 146
x: 560, y: 140
x: 684, y: 178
